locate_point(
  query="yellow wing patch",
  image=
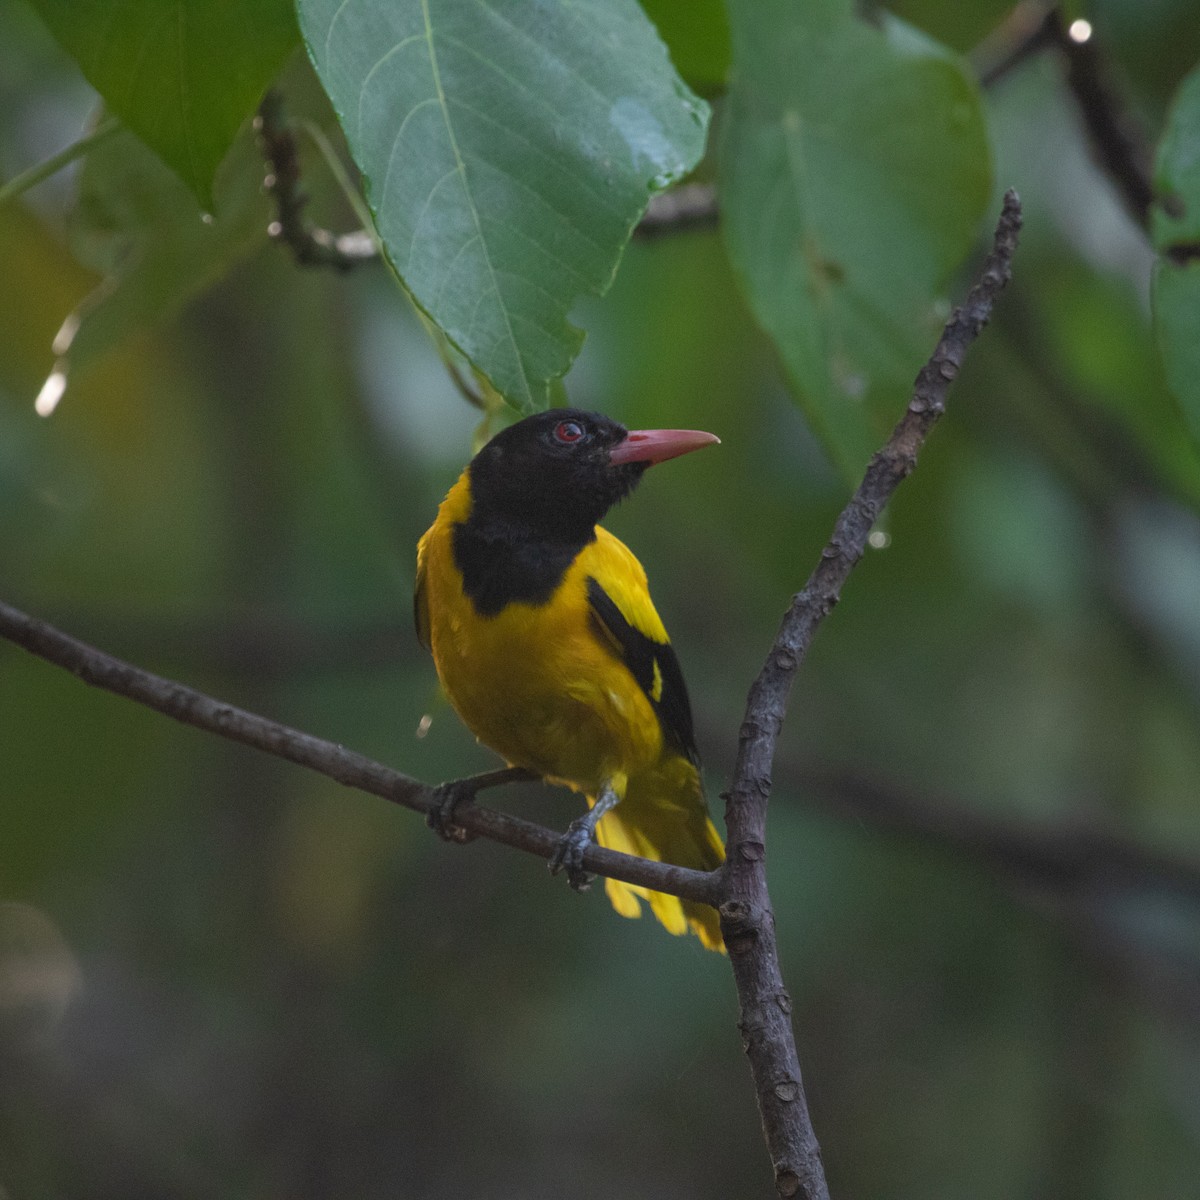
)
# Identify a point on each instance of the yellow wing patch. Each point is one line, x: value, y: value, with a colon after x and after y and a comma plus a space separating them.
x: 657, y: 685
x: 615, y: 568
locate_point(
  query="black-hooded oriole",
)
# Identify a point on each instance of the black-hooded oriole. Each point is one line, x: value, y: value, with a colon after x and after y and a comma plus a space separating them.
x: 548, y: 645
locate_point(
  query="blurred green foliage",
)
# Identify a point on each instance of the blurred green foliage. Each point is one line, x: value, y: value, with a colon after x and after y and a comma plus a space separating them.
x: 220, y: 977
x: 1177, y: 236
x: 854, y: 170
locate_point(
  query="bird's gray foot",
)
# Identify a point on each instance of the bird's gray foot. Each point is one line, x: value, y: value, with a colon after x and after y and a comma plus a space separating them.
x: 568, y: 854
x: 449, y: 797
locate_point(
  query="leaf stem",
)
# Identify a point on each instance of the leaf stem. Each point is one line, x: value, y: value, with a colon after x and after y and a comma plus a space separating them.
x: 32, y: 176
x: 338, y: 170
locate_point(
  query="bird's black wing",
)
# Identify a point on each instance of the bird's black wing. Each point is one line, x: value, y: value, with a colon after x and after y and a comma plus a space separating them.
x: 653, y: 664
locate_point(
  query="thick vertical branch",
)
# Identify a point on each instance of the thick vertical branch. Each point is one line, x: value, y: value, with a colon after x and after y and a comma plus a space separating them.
x: 747, y: 919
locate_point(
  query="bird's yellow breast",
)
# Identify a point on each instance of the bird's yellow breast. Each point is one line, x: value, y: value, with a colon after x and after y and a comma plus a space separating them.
x: 539, y: 683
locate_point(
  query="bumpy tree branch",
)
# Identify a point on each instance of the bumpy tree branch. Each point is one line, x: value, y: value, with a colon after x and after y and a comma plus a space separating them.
x: 747, y: 918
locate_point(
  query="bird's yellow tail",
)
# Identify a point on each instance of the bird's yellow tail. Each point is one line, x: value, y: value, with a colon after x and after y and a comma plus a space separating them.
x: 664, y: 817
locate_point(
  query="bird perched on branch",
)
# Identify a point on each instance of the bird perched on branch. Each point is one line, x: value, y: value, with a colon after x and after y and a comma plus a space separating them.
x: 548, y: 646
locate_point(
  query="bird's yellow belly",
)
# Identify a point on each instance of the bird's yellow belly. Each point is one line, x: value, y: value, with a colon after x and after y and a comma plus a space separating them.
x: 536, y: 686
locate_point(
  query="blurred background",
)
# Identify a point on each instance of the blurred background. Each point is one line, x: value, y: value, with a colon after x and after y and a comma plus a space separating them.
x: 222, y: 976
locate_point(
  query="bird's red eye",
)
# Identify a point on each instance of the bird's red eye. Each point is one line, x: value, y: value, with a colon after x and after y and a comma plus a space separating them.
x: 568, y: 432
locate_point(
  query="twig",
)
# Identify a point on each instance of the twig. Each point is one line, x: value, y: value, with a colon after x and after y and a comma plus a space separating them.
x: 1025, y: 31
x: 327, y: 758
x: 311, y: 245
x: 1064, y: 858
x: 34, y: 175
x: 1068, y: 857
x: 747, y: 919
x: 1081, y: 876
x: 464, y: 389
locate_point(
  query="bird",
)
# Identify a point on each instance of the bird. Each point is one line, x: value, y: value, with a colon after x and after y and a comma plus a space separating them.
x: 548, y: 646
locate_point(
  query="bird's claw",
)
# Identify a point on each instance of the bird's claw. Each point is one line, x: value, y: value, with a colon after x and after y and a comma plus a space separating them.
x: 568, y: 855
x: 448, y: 798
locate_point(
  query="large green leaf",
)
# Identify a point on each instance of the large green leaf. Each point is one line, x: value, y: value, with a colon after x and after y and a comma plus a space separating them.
x: 1175, y: 298
x: 509, y: 148
x: 182, y: 74
x: 854, y: 170
x: 1176, y: 233
x: 1177, y: 170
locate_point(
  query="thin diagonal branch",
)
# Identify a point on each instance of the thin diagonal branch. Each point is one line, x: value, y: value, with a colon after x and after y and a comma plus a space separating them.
x: 1118, y: 142
x: 1024, y: 32
x: 32, y: 176
x: 747, y: 918
x: 194, y: 708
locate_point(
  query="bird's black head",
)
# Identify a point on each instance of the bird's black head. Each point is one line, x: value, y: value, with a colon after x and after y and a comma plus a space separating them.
x: 557, y: 473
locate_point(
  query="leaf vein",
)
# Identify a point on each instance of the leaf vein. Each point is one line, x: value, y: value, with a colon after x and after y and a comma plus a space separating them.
x: 441, y: 95
x: 362, y: 90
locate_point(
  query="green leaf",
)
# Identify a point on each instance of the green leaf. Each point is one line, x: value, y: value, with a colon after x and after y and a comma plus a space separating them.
x: 182, y: 74
x: 509, y: 148
x: 1175, y: 228
x: 854, y: 169
x: 1175, y: 299
x: 1177, y: 170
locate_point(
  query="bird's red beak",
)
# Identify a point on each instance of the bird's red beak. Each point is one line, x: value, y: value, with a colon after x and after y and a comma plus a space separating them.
x: 657, y: 445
